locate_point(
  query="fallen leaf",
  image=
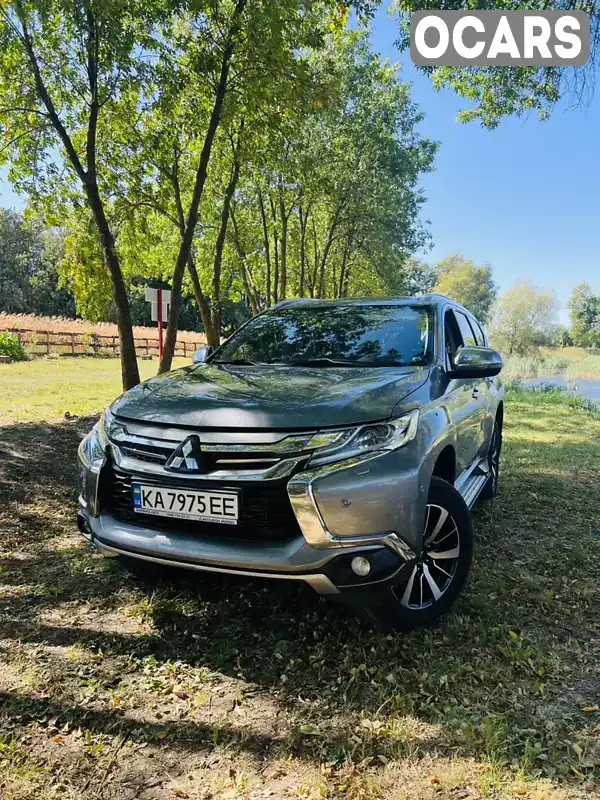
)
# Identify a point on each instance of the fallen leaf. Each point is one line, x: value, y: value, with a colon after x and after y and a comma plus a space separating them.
x: 590, y: 708
x: 432, y: 778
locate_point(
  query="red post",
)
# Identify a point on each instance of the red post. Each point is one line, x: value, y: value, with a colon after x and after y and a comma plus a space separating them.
x: 160, y: 323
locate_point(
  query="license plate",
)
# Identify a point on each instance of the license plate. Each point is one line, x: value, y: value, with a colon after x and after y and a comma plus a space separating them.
x: 162, y: 501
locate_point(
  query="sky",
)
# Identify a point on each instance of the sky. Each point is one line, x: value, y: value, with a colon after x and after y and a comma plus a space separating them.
x: 524, y: 198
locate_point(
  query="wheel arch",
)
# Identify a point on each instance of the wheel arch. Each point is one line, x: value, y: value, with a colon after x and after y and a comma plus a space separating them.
x: 445, y: 464
x: 500, y: 415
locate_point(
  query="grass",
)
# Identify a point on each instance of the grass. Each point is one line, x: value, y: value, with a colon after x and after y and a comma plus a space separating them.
x: 49, y: 388
x: 110, y: 688
x: 572, y: 362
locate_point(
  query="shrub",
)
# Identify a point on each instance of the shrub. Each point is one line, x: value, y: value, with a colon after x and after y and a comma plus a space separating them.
x: 11, y: 346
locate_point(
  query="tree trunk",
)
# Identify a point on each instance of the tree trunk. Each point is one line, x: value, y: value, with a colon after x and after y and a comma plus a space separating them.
x: 203, y: 306
x: 220, y: 244
x: 192, y: 219
x: 246, y: 275
x: 328, y: 244
x: 265, y: 229
x: 275, y: 252
x: 303, y: 218
x: 284, y: 232
x: 129, y: 369
x: 313, y: 278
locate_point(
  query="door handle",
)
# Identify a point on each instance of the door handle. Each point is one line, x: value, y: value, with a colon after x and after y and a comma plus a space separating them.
x: 475, y: 392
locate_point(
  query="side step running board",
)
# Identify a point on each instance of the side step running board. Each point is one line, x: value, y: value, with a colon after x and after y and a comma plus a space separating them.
x: 472, y: 481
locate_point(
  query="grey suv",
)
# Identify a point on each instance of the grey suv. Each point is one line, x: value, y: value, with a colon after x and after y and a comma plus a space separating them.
x: 341, y: 443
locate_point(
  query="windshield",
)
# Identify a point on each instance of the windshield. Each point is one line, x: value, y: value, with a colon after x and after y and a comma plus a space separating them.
x: 331, y: 335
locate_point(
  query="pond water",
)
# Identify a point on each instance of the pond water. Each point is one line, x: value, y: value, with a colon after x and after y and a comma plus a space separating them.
x: 584, y: 387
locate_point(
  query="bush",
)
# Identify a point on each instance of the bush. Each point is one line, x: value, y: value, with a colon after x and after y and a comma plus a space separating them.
x: 11, y: 346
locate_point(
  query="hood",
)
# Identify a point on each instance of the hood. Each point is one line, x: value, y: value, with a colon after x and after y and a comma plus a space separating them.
x: 232, y: 396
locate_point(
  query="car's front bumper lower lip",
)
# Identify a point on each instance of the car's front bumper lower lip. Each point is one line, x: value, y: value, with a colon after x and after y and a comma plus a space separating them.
x: 327, y: 572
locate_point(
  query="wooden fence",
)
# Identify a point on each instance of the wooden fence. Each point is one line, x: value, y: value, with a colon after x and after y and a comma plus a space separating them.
x: 70, y: 343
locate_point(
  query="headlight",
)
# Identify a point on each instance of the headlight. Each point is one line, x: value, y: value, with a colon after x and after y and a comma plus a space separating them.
x: 95, y: 443
x: 350, y: 442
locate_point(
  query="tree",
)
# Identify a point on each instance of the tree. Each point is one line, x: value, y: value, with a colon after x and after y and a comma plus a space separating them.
x: 523, y: 318
x: 29, y: 261
x: 496, y: 92
x: 473, y: 287
x: 329, y: 204
x: 61, y: 65
x: 584, y: 307
x: 19, y: 258
x: 89, y: 88
x: 313, y: 189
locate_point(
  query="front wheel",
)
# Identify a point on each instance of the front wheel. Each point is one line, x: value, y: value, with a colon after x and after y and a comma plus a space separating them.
x: 432, y: 582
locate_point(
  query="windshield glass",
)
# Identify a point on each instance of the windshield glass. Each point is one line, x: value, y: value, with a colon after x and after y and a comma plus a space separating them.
x: 328, y: 335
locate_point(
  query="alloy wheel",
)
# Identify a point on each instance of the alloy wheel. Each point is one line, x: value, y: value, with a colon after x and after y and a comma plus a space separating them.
x: 433, y: 572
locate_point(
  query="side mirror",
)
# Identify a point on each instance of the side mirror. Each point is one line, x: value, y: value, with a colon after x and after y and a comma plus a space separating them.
x: 476, y: 362
x: 202, y: 353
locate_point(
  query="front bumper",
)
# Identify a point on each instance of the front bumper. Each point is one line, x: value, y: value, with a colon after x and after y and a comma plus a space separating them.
x: 368, y: 508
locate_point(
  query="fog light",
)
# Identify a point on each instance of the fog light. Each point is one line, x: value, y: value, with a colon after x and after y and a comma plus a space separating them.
x: 360, y: 566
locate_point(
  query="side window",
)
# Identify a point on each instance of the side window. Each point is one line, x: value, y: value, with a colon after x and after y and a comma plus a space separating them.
x: 479, y: 332
x: 468, y: 337
x: 452, y: 337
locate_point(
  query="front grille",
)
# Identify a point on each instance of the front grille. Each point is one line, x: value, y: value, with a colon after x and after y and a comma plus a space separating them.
x: 265, y: 510
x: 211, y: 460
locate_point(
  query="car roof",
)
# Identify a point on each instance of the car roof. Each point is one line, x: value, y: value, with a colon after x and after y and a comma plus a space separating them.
x: 430, y: 299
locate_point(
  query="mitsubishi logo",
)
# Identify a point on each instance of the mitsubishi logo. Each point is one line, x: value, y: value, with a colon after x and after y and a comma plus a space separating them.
x: 187, y: 457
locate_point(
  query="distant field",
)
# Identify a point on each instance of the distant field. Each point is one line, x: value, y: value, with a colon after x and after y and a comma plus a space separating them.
x: 47, y: 388
x: 572, y: 362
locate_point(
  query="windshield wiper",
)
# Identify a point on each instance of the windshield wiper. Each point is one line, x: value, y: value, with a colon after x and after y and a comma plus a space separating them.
x: 243, y: 362
x: 323, y: 362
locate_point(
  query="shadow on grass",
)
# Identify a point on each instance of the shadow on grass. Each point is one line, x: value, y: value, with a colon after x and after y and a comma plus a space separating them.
x: 508, y: 650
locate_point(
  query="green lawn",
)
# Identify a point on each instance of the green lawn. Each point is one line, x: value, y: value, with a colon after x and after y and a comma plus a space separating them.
x: 226, y: 689
x: 47, y: 388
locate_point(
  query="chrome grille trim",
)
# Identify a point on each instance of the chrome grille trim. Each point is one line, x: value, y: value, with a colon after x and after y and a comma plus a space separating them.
x: 223, y: 441
x: 274, y: 471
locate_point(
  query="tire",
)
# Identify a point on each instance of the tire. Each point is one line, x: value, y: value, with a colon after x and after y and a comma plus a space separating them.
x: 414, y: 603
x: 490, y: 490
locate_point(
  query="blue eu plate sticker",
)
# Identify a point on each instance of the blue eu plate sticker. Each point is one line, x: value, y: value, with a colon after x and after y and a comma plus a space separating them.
x: 137, y: 495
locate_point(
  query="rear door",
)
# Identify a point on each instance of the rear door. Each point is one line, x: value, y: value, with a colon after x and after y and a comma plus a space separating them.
x: 489, y: 388
x: 480, y: 394
x: 462, y: 395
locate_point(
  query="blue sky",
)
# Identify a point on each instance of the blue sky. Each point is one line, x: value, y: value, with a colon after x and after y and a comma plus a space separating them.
x: 524, y: 197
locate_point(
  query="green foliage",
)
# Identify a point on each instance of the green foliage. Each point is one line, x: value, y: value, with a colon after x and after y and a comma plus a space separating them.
x: 11, y: 346
x: 561, y: 337
x: 494, y: 93
x: 584, y: 307
x: 29, y: 260
x: 336, y: 171
x: 523, y: 319
x: 473, y: 287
